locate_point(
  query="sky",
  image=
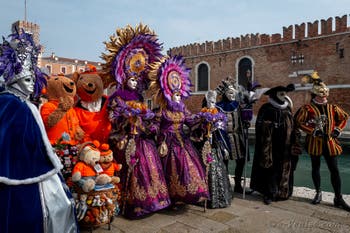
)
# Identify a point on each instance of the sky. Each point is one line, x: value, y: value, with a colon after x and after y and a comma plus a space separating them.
x: 77, y: 28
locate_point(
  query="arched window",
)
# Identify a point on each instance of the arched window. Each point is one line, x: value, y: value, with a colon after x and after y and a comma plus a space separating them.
x: 245, y: 72
x: 202, y: 77
x: 63, y: 69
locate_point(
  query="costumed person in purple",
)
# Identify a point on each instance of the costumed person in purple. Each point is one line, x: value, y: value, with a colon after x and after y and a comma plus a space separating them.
x: 272, y: 158
x: 231, y: 108
x: 143, y: 184
x: 33, y: 197
x: 214, y: 148
x: 183, y: 169
x: 323, y: 122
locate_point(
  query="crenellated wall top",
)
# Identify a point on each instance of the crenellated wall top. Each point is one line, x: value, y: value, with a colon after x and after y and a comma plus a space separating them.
x: 292, y: 32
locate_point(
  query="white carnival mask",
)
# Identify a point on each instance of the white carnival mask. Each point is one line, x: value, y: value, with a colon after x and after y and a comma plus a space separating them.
x: 231, y: 93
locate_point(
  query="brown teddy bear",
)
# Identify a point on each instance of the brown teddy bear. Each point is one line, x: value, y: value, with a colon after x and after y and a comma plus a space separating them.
x: 61, y: 122
x: 91, y: 107
x: 109, y: 166
x: 86, y: 173
x: 59, y: 117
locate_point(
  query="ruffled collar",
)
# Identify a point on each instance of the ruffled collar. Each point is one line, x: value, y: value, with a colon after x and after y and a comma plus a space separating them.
x: 277, y: 105
x: 319, y: 103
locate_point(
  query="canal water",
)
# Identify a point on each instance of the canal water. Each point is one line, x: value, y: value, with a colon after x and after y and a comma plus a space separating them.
x: 302, y: 175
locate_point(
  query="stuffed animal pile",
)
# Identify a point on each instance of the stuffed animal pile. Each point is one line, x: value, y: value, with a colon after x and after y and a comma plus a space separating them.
x: 87, y: 171
x: 94, y: 206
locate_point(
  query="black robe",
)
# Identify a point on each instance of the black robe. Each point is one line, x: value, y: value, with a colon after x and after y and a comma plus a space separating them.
x: 272, y: 158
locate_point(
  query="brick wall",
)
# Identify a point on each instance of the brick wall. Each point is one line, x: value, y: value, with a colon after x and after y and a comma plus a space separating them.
x: 271, y: 56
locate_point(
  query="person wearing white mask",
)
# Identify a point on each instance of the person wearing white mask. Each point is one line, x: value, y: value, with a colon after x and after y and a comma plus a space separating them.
x: 33, y: 197
x: 272, y: 156
x: 323, y: 123
x: 230, y: 106
x: 182, y: 164
x: 215, y: 147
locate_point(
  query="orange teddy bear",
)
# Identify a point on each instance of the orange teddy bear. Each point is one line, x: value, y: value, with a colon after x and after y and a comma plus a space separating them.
x: 61, y: 122
x: 91, y: 107
x: 60, y: 119
x: 109, y: 166
x: 87, y: 172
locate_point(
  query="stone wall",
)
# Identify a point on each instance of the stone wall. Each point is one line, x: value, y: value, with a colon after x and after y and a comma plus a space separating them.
x: 326, y: 51
x: 290, y: 33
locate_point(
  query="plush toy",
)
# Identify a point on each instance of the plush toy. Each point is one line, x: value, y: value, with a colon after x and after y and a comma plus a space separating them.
x: 91, y: 107
x: 109, y: 166
x: 59, y: 117
x: 86, y: 173
x: 61, y: 122
x: 81, y: 206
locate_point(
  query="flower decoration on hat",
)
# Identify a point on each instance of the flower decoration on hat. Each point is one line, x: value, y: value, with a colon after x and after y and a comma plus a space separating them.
x: 18, y: 59
x: 130, y: 53
x: 169, y: 76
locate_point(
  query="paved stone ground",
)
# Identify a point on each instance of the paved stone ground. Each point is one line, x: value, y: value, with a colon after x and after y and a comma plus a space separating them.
x: 243, y: 216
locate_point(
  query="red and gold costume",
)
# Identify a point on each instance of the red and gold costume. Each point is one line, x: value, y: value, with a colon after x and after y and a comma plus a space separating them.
x: 336, y: 118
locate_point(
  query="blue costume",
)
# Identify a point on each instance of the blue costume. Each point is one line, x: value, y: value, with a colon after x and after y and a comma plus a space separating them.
x: 32, y: 195
x: 236, y: 135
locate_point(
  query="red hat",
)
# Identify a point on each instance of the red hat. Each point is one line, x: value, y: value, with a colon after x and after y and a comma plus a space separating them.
x: 104, y: 149
x: 90, y: 69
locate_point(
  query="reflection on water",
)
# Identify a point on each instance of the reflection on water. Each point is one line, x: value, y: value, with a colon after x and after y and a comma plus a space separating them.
x: 303, y: 171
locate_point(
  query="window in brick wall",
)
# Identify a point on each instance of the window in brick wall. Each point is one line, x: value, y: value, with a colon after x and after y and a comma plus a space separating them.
x: 48, y: 69
x: 245, y: 72
x: 202, y: 78
x: 63, y: 70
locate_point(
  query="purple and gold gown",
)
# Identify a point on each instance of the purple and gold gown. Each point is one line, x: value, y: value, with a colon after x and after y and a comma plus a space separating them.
x: 143, y: 184
x: 184, y: 171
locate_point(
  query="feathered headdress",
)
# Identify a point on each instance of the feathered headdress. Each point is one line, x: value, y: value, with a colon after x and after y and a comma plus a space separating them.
x: 319, y: 87
x: 18, y: 59
x: 310, y: 78
x: 227, y: 83
x: 168, y: 76
x: 130, y: 52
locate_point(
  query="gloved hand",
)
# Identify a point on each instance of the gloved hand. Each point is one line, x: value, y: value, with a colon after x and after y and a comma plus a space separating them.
x: 335, y: 133
x: 317, y: 133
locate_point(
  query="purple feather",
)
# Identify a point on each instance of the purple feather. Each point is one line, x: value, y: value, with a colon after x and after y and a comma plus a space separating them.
x: 11, y: 59
x: 145, y: 42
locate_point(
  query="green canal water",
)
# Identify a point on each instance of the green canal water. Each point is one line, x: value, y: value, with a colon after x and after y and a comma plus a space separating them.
x: 302, y: 175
